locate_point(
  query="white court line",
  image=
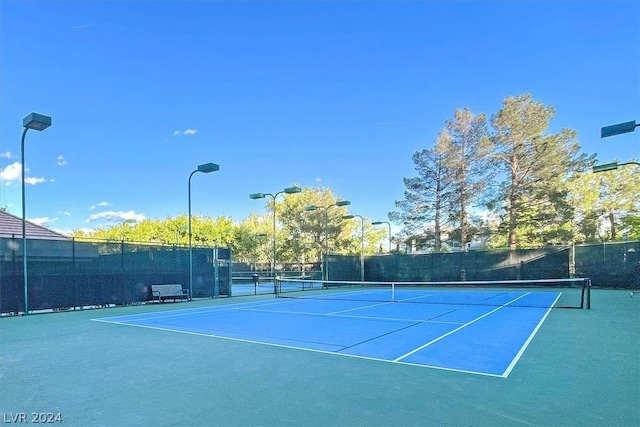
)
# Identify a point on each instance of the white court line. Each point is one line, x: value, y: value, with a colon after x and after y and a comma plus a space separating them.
x: 359, y: 308
x: 268, y: 303
x: 457, y: 329
x: 334, y: 353
x: 253, y: 306
x: 204, y: 310
x: 515, y: 360
x: 393, y: 319
x: 184, y: 312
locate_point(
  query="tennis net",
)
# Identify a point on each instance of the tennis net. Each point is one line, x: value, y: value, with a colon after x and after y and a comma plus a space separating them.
x: 556, y: 293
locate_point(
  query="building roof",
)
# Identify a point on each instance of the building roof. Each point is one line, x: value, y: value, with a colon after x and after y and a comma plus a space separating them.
x: 11, y: 227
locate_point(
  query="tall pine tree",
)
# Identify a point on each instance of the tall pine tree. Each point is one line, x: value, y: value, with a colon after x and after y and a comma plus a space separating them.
x: 422, y: 212
x: 466, y: 150
x: 536, y: 167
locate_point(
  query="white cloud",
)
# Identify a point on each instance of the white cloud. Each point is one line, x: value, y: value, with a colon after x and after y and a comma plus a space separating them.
x: 43, y: 221
x: 318, y: 179
x: 64, y: 213
x: 11, y: 173
x: 61, y: 160
x: 6, y: 155
x: 87, y: 230
x: 33, y: 181
x: 114, y: 217
x: 186, y: 132
x: 66, y: 232
x: 92, y: 207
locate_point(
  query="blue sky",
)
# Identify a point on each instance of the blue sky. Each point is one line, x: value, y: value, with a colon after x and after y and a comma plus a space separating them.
x: 332, y: 94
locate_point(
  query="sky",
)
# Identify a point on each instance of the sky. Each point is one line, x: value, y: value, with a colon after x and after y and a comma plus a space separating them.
x: 328, y: 94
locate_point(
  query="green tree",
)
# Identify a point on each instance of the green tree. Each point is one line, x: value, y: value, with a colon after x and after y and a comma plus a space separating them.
x: 466, y: 151
x: 536, y: 166
x: 300, y: 233
x: 426, y: 196
x: 619, y: 190
x: 451, y: 178
x: 251, y: 242
x: 584, y: 197
x: 632, y: 224
x: 351, y: 237
x: 605, y: 204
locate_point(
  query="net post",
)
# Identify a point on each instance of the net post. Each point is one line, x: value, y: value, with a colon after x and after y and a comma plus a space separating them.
x: 393, y: 292
x: 276, y: 286
x: 588, y: 285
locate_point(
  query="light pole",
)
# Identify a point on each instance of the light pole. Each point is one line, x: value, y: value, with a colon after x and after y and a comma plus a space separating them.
x: 361, y: 243
x: 37, y: 122
x: 309, y: 208
x: 254, y: 196
x: 384, y: 222
x: 204, y: 168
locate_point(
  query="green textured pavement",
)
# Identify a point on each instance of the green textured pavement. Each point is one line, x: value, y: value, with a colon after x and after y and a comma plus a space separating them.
x: 581, y: 369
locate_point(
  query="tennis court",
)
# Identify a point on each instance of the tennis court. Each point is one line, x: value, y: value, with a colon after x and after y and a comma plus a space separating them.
x: 475, y: 331
x: 337, y: 356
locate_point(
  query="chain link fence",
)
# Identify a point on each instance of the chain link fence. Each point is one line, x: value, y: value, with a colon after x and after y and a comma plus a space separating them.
x: 63, y: 274
x: 611, y: 265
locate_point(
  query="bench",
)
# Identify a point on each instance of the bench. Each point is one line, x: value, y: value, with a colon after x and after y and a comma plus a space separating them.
x: 173, y: 291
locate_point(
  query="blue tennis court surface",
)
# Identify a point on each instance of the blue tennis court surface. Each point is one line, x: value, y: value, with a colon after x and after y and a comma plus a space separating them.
x: 479, y: 332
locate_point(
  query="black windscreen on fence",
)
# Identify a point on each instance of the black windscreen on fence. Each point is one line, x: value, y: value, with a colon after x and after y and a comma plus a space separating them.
x: 63, y: 274
x: 608, y: 265
x: 614, y: 265
x: 69, y: 273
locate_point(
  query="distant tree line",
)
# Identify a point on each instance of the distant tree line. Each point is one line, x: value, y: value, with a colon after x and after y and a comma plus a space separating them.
x: 512, y: 183
x: 508, y: 182
x: 300, y: 233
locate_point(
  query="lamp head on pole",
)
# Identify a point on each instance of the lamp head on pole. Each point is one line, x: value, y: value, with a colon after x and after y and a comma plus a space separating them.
x: 618, y: 129
x: 208, y: 168
x: 257, y: 196
x: 36, y: 121
x: 605, y: 167
x: 310, y: 208
x: 292, y: 190
x: 348, y: 216
x: 343, y: 203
